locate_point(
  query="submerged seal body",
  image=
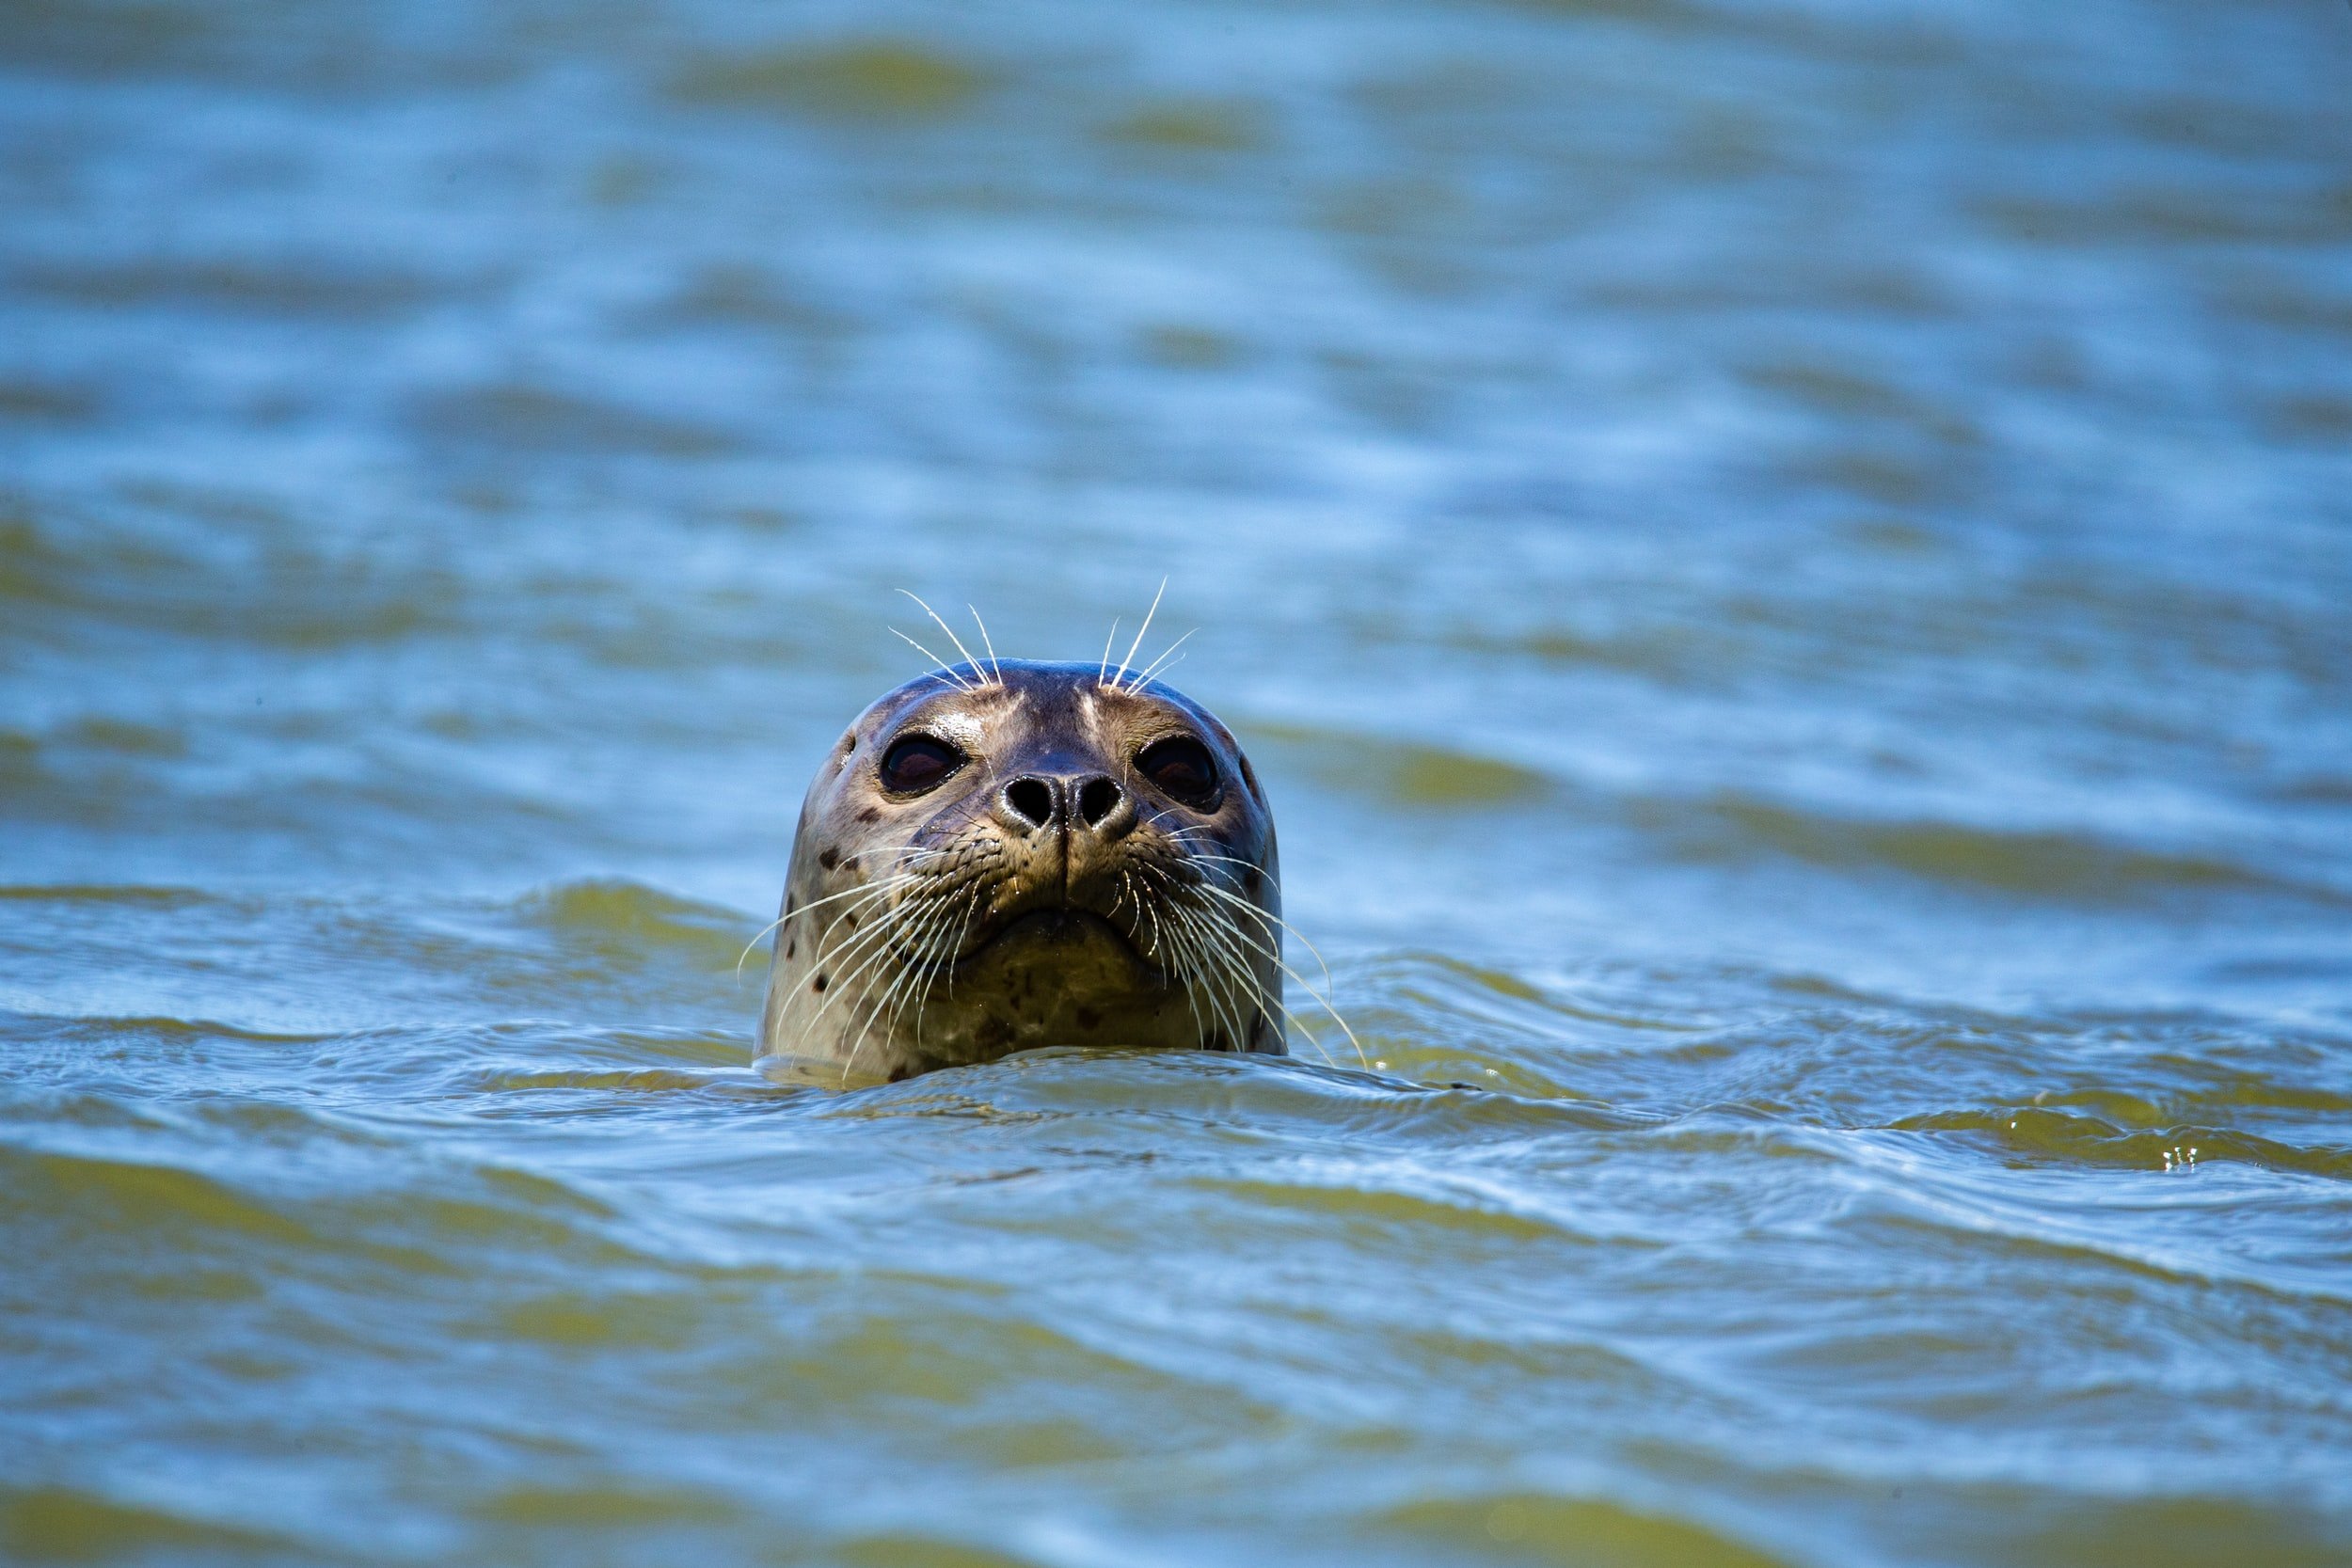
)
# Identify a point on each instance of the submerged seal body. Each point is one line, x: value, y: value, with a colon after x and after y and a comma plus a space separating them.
x: 1008, y: 855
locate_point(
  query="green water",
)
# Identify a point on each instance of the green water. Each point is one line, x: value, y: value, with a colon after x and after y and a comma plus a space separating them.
x: 1784, y: 564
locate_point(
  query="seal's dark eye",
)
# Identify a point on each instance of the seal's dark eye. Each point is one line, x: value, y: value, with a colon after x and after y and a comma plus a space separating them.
x: 1182, y: 766
x: 918, y: 763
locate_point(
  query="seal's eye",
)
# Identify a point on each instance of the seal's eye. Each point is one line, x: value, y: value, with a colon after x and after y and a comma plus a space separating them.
x: 1182, y: 768
x: 918, y: 763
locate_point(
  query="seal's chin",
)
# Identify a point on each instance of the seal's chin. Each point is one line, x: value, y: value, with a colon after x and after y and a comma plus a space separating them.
x: 1045, y: 934
x: 1052, y: 975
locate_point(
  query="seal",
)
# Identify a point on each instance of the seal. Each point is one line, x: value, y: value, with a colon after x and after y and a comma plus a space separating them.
x: 1002, y: 855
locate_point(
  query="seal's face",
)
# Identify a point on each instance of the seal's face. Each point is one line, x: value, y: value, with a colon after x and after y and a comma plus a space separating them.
x: 1024, y: 855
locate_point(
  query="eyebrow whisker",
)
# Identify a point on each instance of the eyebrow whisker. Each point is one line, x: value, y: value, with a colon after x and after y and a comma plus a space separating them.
x: 944, y: 672
x: 1162, y: 662
x: 1138, y: 644
x: 970, y: 662
x: 987, y: 643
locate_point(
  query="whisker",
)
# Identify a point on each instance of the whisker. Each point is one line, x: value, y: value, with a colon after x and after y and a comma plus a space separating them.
x: 1364, y: 1058
x: 1275, y: 956
x: 1228, y: 968
x: 923, y: 938
x: 802, y: 909
x: 1139, y: 633
x: 914, y: 954
x: 963, y: 929
x: 1236, y: 966
x: 944, y: 672
x: 744, y: 955
x: 970, y: 662
x: 988, y: 643
x: 880, y: 934
x: 1184, y: 928
x: 943, y: 964
x: 1201, y: 959
x: 886, y: 1005
x: 1313, y: 1038
x: 905, y: 937
x: 1263, y: 914
x: 1162, y: 661
x: 886, y: 949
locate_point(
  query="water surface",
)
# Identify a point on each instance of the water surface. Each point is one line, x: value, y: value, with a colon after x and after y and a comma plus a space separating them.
x: 1784, y: 562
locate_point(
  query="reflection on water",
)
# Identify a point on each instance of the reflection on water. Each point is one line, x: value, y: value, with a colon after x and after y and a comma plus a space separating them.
x: 1784, y: 564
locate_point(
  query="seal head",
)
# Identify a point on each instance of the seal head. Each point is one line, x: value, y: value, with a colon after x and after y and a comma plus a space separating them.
x: 1012, y: 855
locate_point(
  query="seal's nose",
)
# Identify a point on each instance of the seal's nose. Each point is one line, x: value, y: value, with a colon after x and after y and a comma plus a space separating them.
x: 1038, y: 801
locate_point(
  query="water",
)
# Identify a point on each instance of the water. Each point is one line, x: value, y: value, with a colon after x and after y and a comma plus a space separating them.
x: 1784, y: 564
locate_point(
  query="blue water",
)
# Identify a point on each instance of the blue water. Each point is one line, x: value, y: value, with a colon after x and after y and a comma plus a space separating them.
x: 1784, y: 564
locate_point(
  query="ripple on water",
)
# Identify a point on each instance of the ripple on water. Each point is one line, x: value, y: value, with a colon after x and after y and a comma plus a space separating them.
x: 1135, y: 1268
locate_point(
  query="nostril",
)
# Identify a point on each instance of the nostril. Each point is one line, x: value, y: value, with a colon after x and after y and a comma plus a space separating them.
x: 1032, y: 799
x: 1097, y: 798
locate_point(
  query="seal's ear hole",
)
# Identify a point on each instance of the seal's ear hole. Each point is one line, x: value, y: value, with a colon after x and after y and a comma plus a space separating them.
x: 1181, y: 766
x: 918, y: 763
x: 1251, y: 779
